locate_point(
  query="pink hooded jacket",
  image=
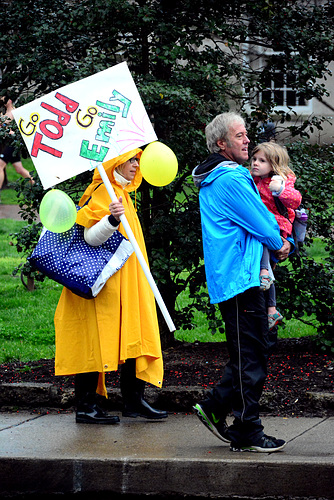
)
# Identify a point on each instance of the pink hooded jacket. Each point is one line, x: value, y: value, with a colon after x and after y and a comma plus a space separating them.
x: 290, y: 197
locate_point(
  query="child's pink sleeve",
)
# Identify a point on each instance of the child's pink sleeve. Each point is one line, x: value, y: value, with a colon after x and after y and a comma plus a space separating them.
x: 290, y: 197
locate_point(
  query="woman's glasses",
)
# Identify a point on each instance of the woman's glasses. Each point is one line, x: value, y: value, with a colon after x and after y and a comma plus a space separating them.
x: 134, y: 160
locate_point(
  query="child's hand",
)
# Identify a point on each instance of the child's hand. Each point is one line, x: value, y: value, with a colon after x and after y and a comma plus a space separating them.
x: 277, y: 185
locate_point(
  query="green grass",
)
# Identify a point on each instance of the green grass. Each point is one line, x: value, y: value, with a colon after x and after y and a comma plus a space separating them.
x: 289, y: 329
x: 26, y: 318
x: 317, y: 251
x: 201, y: 332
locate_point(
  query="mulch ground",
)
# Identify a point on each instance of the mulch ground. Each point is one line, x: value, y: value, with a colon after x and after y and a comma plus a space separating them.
x: 296, y: 368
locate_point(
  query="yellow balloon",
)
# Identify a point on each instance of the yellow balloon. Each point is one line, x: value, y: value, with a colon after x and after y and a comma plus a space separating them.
x: 158, y: 164
x: 57, y: 211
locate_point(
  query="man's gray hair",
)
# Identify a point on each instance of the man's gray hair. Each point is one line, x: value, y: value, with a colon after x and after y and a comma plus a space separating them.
x: 219, y: 129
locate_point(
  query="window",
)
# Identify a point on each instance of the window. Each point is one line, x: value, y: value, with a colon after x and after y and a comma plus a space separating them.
x: 280, y: 90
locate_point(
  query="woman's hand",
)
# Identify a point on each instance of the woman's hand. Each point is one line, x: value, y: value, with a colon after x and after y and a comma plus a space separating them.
x: 116, y: 208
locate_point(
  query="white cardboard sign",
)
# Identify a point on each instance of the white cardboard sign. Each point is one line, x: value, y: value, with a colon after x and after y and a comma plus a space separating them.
x: 91, y: 121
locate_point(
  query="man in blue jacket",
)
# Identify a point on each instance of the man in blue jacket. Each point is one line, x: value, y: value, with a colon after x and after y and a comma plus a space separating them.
x: 235, y: 226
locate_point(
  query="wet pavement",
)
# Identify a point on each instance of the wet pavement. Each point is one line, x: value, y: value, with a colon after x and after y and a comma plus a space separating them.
x: 50, y: 454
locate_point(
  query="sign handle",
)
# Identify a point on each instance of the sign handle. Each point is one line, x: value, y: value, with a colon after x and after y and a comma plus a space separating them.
x: 138, y: 252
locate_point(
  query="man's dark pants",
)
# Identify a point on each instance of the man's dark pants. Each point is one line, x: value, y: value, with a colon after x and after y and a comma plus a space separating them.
x: 249, y: 344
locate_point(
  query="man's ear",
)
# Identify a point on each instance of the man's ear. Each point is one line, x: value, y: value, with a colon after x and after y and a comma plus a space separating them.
x: 222, y: 144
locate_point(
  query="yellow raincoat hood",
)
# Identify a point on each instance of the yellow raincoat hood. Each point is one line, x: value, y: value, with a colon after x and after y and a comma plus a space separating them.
x: 87, y: 217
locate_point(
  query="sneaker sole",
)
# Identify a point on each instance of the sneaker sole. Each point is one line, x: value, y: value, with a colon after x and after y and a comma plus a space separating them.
x: 277, y: 322
x: 257, y: 449
x: 205, y: 420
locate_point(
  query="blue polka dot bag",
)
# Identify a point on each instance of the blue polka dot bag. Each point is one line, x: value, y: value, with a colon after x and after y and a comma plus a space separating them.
x: 67, y: 259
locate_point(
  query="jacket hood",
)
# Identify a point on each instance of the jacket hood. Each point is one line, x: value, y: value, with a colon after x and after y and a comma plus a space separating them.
x: 110, y: 167
x: 213, y: 162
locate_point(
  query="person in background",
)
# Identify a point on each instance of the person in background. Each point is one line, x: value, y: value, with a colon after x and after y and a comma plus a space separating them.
x: 274, y: 179
x: 235, y: 226
x: 8, y: 154
x: 267, y: 131
x: 267, y: 128
x: 119, y: 326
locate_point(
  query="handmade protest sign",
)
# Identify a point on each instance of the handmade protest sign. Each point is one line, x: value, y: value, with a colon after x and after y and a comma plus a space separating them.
x: 85, y: 123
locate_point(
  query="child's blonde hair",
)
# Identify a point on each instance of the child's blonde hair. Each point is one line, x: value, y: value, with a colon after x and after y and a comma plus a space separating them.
x: 277, y: 156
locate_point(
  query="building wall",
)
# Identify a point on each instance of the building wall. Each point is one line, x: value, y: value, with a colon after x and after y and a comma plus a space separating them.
x: 326, y: 109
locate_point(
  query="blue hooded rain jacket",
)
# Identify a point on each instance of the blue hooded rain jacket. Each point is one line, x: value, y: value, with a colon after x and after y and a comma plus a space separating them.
x: 235, y: 226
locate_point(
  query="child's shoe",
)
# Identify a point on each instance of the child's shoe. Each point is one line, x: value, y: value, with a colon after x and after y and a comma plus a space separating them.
x: 274, y: 319
x: 265, y: 282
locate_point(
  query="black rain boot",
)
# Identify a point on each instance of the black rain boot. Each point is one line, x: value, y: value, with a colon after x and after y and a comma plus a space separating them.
x: 132, y: 389
x: 88, y: 412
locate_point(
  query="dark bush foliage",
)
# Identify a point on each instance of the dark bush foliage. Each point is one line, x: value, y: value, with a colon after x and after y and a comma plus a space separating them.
x: 186, y: 60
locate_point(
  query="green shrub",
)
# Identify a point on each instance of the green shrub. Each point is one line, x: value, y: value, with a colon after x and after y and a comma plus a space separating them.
x: 306, y: 287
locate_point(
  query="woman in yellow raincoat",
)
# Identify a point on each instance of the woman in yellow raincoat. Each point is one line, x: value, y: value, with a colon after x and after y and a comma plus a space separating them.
x: 119, y: 326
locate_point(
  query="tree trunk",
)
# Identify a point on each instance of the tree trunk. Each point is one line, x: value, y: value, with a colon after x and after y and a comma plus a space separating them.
x: 29, y: 283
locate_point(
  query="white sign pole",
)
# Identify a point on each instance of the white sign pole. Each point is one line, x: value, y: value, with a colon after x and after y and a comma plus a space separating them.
x: 138, y: 252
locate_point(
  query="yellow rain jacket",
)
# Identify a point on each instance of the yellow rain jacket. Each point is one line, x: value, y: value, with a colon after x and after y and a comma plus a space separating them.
x: 121, y: 322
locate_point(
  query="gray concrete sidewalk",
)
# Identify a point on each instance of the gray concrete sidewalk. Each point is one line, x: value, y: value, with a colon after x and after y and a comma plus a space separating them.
x: 50, y: 453
x: 9, y: 212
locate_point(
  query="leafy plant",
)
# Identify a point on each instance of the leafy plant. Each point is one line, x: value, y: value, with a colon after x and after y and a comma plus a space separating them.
x: 188, y: 61
x: 308, y: 286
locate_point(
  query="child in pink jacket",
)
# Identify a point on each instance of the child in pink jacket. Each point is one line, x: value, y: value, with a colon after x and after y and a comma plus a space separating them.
x: 273, y: 178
